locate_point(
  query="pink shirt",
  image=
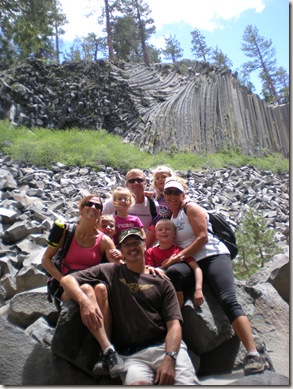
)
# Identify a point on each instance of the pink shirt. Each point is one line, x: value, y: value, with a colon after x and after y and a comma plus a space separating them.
x: 79, y: 258
x: 123, y: 223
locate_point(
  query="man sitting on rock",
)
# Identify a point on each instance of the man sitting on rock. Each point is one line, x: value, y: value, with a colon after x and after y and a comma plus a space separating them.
x: 146, y: 318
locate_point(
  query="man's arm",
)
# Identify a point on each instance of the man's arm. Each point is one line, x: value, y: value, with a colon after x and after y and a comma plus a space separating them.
x: 166, y: 372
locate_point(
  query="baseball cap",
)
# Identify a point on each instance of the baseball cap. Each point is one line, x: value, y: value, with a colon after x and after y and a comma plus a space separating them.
x: 129, y: 232
x: 173, y: 184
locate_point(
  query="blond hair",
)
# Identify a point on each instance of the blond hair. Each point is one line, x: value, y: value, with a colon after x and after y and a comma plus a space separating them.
x: 161, y: 221
x: 160, y: 169
x: 134, y: 171
x: 123, y: 191
x: 107, y: 217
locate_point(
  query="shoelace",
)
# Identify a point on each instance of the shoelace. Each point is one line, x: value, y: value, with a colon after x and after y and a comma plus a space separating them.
x: 112, y: 358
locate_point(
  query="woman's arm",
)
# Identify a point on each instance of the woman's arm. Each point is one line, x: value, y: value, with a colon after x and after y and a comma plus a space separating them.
x: 47, y: 260
x: 198, y: 221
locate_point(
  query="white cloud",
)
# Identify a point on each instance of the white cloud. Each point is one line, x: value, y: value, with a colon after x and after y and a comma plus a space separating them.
x: 79, y: 24
x: 202, y: 14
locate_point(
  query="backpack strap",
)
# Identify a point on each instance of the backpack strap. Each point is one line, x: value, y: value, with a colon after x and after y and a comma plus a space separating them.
x: 184, y: 208
x: 69, y: 234
x: 153, y: 207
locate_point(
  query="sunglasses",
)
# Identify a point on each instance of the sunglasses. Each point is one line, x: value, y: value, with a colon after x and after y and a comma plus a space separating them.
x: 90, y: 204
x: 170, y: 192
x: 133, y: 180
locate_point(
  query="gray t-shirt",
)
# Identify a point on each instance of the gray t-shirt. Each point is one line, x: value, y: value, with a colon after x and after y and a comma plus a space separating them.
x: 141, y: 304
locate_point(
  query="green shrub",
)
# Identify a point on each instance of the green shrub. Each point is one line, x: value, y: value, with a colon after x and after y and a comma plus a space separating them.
x: 256, y: 245
x: 43, y: 147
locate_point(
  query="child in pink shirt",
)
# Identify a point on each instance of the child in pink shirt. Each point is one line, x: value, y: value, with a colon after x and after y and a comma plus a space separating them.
x: 122, y: 200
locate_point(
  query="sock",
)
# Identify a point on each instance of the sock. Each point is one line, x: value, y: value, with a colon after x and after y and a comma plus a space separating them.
x: 253, y: 353
x: 108, y: 348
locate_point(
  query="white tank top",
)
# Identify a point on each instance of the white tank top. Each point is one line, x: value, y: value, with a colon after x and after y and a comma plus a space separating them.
x: 185, y: 236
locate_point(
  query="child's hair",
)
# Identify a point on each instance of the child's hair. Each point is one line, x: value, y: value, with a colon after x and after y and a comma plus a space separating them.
x: 161, y: 169
x: 123, y: 191
x: 106, y: 217
x: 161, y: 221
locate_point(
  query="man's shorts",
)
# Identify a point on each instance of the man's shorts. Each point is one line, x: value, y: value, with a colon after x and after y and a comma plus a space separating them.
x: 142, y: 366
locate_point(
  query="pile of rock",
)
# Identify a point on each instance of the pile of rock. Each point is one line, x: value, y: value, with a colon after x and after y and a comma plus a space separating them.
x: 32, y: 198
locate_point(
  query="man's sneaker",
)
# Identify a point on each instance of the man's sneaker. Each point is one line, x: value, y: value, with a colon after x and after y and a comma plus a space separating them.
x: 254, y: 364
x: 101, y: 367
x: 115, y: 363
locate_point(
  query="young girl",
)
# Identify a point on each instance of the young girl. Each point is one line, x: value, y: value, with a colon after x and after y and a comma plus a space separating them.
x: 107, y: 225
x: 160, y: 174
x: 122, y: 200
x: 158, y: 181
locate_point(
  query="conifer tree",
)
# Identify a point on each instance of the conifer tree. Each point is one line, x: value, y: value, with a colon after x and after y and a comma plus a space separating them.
x: 172, y: 49
x: 262, y: 56
x: 220, y: 59
x: 199, y: 47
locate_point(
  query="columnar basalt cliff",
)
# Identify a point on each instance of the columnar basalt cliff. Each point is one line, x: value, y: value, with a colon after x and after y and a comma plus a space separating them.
x: 199, y: 108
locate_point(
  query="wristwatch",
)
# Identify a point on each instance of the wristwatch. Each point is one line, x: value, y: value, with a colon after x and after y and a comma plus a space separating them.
x: 172, y: 354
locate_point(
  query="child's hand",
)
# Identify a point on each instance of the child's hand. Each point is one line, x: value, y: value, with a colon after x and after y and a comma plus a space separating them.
x: 175, y: 258
x: 198, y: 297
x: 116, y: 254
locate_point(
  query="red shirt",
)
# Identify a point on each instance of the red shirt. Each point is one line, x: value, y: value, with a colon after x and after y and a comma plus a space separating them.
x: 155, y: 256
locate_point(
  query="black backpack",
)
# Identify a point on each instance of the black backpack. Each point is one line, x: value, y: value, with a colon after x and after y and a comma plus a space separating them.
x: 223, y: 231
x: 153, y: 208
x: 52, y: 283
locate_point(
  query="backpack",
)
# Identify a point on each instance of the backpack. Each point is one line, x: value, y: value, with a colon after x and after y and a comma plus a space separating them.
x: 223, y: 231
x: 153, y: 207
x: 52, y: 283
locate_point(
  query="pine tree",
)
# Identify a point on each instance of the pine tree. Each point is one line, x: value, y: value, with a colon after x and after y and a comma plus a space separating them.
x: 220, y: 59
x: 172, y: 49
x: 27, y: 29
x: 262, y: 56
x: 256, y: 244
x: 199, y: 47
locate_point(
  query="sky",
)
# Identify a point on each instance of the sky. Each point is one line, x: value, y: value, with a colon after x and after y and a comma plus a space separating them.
x: 221, y: 22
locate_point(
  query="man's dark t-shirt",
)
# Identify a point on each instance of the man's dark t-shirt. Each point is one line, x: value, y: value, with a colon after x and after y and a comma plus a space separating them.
x: 141, y: 304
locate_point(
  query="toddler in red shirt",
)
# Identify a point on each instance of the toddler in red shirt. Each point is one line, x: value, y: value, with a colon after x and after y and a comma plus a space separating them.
x: 162, y: 256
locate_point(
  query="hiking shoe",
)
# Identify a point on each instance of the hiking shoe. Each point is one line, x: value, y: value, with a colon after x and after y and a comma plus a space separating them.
x: 115, y: 363
x: 101, y: 367
x: 254, y: 364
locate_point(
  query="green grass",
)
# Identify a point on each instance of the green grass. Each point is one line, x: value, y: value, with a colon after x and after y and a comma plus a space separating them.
x: 44, y: 147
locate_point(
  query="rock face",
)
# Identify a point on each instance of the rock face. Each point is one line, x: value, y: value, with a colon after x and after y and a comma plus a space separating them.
x: 32, y: 198
x: 195, y: 107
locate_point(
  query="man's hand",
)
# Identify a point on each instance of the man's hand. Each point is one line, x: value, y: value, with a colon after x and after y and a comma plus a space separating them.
x: 156, y: 270
x: 91, y: 316
x: 166, y: 372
